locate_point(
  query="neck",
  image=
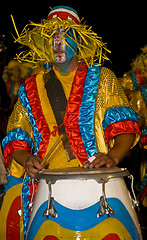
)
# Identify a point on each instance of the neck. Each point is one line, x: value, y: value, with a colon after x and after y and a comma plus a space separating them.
x: 67, y: 67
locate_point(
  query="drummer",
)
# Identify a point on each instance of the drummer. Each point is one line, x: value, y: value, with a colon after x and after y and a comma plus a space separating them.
x: 75, y: 97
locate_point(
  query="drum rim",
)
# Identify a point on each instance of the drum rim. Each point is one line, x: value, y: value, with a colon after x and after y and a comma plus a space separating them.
x: 100, y: 175
x: 81, y: 170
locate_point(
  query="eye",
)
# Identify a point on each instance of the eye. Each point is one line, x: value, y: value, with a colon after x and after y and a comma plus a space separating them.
x: 69, y: 18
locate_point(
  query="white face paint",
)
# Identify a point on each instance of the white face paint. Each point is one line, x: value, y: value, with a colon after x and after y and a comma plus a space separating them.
x: 59, y: 47
x: 64, y: 52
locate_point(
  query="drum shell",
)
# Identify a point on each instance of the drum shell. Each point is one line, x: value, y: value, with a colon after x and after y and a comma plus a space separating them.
x: 78, y: 195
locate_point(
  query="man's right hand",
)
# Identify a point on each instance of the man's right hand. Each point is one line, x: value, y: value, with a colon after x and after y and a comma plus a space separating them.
x: 31, y: 163
x: 33, y: 166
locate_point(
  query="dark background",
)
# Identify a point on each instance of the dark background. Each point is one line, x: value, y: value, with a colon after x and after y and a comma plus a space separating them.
x: 121, y: 24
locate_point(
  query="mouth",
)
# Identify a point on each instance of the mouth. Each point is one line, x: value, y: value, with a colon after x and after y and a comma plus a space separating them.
x: 59, y: 53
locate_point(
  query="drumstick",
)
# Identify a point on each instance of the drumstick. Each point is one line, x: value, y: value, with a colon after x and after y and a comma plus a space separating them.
x: 52, y: 149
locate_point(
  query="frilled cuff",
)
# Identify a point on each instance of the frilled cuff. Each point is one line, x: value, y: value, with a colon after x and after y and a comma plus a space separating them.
x: 13, y: 146
x: 122, y: 127
x: 16, y: 139
x: 118, y: 114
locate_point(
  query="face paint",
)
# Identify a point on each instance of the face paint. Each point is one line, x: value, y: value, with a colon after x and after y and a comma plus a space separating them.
x: 59, y: 47
x: 70, y: 51
x: 64, y: 52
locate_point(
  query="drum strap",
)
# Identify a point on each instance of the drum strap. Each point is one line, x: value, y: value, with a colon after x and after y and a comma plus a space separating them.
x: 58, y: 103
x: 57, y: 99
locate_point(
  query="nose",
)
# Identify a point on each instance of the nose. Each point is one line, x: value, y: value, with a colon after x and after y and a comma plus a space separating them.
x: 58, y: 43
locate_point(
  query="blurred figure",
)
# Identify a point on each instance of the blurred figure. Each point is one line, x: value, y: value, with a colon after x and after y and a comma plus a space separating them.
x: 14, y: 75
x: 134, y: 84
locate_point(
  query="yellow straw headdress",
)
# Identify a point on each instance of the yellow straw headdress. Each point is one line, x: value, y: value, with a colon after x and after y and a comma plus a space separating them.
x: 39, y: 39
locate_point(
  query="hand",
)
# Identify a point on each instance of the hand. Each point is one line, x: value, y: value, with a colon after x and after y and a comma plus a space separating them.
x: 99, y: 161
x: 33, y: 166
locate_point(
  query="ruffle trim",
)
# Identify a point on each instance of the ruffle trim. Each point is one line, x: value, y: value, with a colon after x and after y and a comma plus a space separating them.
x: 118, y: 114
x: 14, y: 146
x: 16, y: 139
x: 87, y: 110
x: 25, y: 201
x: 71, y: 119
x: 28, y: 94
x: 114, y: 129
x: 19, y: 134
x: 25, y: 102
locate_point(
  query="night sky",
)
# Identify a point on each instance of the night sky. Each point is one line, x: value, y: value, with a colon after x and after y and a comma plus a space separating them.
x: 120, y: 24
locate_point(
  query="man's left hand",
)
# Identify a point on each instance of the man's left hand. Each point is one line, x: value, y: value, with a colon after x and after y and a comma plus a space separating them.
x: 99, y: 161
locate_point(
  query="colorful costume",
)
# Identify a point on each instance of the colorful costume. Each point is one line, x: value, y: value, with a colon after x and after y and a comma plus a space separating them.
x: 134, y: 85
x: 96, y: 110
x: 14, y: 75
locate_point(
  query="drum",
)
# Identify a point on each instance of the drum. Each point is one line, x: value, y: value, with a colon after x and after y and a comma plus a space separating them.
x: 78, y: 203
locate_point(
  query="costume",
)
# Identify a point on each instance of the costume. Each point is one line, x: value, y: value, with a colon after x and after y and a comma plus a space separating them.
x: 14, y: 75
x: 96, y: 110
x: 134, y: 85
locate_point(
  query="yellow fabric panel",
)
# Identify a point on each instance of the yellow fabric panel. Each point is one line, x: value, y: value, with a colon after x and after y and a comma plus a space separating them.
x: 20, y: 119
x: 58, y: 159
x: 66, y: 81
x: 110, y: 94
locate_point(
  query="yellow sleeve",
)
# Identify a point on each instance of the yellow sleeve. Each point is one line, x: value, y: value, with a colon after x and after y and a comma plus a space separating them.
x: 18, y: 120
x: 112, y: 107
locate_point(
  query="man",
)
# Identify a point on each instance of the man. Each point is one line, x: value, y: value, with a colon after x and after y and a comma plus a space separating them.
x: 76, y: 98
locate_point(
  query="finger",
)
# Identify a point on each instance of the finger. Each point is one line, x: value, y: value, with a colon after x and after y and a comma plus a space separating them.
x: 32, y: 172
x: 36, y: 164
x: 101, y: 160
x: 98, y: 163
x: 86, y: 164
x: 31, y: 175
x: 110, y: 164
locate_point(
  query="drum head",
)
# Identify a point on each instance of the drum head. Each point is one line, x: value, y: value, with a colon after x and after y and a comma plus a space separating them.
x: 99, y: 174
